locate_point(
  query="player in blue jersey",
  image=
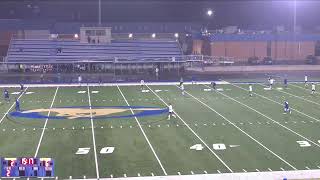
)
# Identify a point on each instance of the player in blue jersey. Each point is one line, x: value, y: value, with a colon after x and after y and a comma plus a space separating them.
x: 17, y: 105
x: 6, y: 95
x: 286, y: 107
x: 285, y: 82
x: 21, y: 87
x: 213, y: 85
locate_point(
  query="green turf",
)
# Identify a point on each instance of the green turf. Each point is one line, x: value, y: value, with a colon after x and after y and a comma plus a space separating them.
x: 264, y: 138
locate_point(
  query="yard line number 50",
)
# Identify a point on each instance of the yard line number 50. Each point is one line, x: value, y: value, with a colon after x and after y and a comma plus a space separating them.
x: 86, y: 150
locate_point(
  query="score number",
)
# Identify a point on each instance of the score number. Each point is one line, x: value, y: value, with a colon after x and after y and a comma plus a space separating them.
x: 104, y: 150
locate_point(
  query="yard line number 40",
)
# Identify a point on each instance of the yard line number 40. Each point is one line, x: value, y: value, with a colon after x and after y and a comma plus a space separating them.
x: 86, y: 150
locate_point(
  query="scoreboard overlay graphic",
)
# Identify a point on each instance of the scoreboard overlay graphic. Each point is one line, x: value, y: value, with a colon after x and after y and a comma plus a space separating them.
x: 27, y: 167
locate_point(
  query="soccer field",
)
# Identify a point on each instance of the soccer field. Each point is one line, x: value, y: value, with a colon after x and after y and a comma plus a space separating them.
x: 90, y: 131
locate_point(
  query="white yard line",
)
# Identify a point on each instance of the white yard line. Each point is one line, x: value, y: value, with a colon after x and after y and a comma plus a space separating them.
x: 144, y: 134
x: 45, y: 124
x: 194, y: 132
x: 269, y: 118
x: 303, y: 88
x: 11, y: 107
x: 230, y: 122
x: 294, y: 96
x: 93, y: 136
x: 277, y: 102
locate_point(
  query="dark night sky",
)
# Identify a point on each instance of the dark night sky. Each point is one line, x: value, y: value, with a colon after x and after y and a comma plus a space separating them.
x: 243, y: 13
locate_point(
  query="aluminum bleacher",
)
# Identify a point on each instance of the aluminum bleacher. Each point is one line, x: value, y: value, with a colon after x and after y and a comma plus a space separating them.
x: 60, y: 51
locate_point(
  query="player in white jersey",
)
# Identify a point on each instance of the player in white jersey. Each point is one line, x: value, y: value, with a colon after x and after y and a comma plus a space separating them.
x: 171, y: 112
x: 250, y: 90
x: 313, y: 88
x: 79, y: 80
x: 142, y: 84
x: 271, y: 81
x: 182, y: 89
x: 305, y: 80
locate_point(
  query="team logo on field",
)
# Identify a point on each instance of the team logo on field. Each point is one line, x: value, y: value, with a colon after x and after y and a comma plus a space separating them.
x: 84, y: 112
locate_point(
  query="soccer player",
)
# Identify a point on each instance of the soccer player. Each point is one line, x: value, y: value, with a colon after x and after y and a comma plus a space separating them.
x: 213, y: 85
x: 313, y: 88
x: 286, y: 107
x: 271, y: 81
x: 79, y: 80
x: 182, y: 89
x: 17, y: 105
x: 171, y: 113
x: 285, y: 82
x: 250, y: 90
x: 142, y: 84
x: 181, y: 81
x: 6, y: 95
x: 305, y: 80
x: 21, y: 87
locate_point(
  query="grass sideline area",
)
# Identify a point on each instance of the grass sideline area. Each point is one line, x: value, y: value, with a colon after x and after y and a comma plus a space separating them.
x: 216, y: 132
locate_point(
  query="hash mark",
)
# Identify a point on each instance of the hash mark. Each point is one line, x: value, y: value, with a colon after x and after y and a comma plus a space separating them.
x: 139, y: 175
x: 124, y: 175
x: 244, y: 170
x: 205, y: 172
x: 192, y: 172
x: 111, y: 175
x: 318, y: 167
x: 307, y: 168
x: 257, y: 170
x: 282, y: 169
x: 179, y: 173
x: 152, y: 174
x: 269, y: 169
x: 219, y: 172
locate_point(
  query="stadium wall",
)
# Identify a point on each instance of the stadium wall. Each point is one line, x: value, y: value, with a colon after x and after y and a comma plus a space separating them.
x: 278, y: 47
x: 289, y: 50
x: 197, y: 46
x: 240, y: 50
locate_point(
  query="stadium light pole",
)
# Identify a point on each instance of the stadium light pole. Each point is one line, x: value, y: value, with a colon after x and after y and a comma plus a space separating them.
x: 210, y: 14
x: 294, y: 16
x: 99, y: 13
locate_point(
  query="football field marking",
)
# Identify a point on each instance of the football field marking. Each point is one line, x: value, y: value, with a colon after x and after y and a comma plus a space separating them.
x: 144, y: 134
x: 276, y: 102
x: 194, y: 132
x: 46, y: 122
x: 11, y: 107
x: 296, y: 96
x: 237, y: 127
x: 276, y: 122
x: 93, y: 136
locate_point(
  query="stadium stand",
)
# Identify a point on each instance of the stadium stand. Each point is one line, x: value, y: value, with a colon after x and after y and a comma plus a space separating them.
x: 43, y: 51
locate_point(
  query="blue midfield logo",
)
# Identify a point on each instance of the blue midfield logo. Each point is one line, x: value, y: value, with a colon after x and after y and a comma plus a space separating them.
x: 84, y: 112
